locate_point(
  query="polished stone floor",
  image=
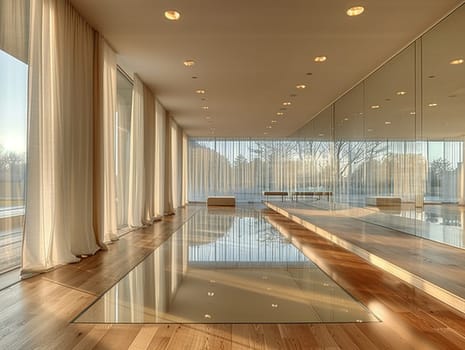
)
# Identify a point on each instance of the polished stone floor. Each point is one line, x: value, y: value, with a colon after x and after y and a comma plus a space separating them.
x: 226, y: 266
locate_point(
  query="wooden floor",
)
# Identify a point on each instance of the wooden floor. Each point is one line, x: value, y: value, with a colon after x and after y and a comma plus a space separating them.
x: 36, y: 313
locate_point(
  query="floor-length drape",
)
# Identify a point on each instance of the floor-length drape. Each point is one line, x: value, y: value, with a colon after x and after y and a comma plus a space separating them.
x: 160, y: 125
x: 176, y: 163
x: 136, y: 198
x: 149, y: 155
x: 59, y: 172
x: 168, y: 185
x: 184, y: 180
x: 14, y: 21
x: 105, y: 219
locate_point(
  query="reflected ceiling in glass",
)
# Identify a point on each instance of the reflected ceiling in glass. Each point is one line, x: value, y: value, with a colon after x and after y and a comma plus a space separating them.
x: 226, y: 266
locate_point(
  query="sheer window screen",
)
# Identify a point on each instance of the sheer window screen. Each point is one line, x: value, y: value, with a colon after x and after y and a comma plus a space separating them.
x: 247, y: 167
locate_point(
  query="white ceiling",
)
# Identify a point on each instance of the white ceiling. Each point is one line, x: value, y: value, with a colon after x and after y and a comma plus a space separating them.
x: 250, y: 54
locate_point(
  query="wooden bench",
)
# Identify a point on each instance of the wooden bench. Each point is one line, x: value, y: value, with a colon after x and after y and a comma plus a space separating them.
x: 225, y: 201
x: 275, y: 193
x: 383, y: 201
x: 318, y: 194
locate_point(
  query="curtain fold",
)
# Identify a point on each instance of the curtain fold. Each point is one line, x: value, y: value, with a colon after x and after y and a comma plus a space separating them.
x: 168, y: 181
x: 176, y: 163
x: 160, y: 151
x: 136, y: 168
x: 60, y: 149
x: 184, y: 180
x: 105, y: 219
x: 149, y: 156
x: 14, y: 20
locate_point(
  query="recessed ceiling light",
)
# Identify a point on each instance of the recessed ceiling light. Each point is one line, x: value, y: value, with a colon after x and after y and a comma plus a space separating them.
x: 207, y: 316
x: 401, y: 93
x: 387, y: 122
x: 432, y: 104
x: 346, y: 119
x: 370, y: 130
x: 274, y: 121
x: 274, y: 305
x: 457, y: 61
x: 320, y: 59
x: 189, y: 63
x: 321, y: 135
x: 172, y: 15
x: 200, y: 91
x: 280, y: 113
x: 269, y: 127
x: 301, y: 86
x: 375, y: 107
x: 205, y: 108
x: 265, y: 133
x: 413, y: 113
x: 355, y: 11
x: 211, y: 294
x: 286, y: 103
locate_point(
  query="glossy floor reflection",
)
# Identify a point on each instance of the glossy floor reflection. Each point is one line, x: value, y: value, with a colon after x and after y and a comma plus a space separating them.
x: 226, y: 266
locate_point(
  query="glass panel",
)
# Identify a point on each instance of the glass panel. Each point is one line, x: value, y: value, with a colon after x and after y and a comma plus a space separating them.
x: 247, y: 168
x: 443, y: 96
x: 390, y: 148
x: 349, y: 149
x: 122, y: 140
x: 13, y: 131
x: 226, y: 266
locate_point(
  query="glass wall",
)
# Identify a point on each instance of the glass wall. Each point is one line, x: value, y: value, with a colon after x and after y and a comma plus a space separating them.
x: 122, y: 146
x: 247, y: 167
x: 391, y: 149
x: 13, y: 129
x: 398, y: 139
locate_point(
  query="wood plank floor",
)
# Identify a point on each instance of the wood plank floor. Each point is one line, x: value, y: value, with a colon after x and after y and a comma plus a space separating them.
x: 36, y: 313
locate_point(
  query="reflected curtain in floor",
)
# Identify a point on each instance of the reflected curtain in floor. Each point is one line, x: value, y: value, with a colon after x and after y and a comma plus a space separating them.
x: 60, y: 138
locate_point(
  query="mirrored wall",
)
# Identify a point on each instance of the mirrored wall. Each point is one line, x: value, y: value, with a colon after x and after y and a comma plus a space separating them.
x: 397, y: 139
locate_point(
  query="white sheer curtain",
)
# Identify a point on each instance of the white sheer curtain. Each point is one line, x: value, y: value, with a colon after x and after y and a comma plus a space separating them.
x: 176, y: 161
x: 136, y: 169
x: 160, y: 126
x: 14, y: 21
x: 105, y: 219
x: 168, y: 184
x: 60, y: 114
x: 185, y: 141
x: 149, y: 155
